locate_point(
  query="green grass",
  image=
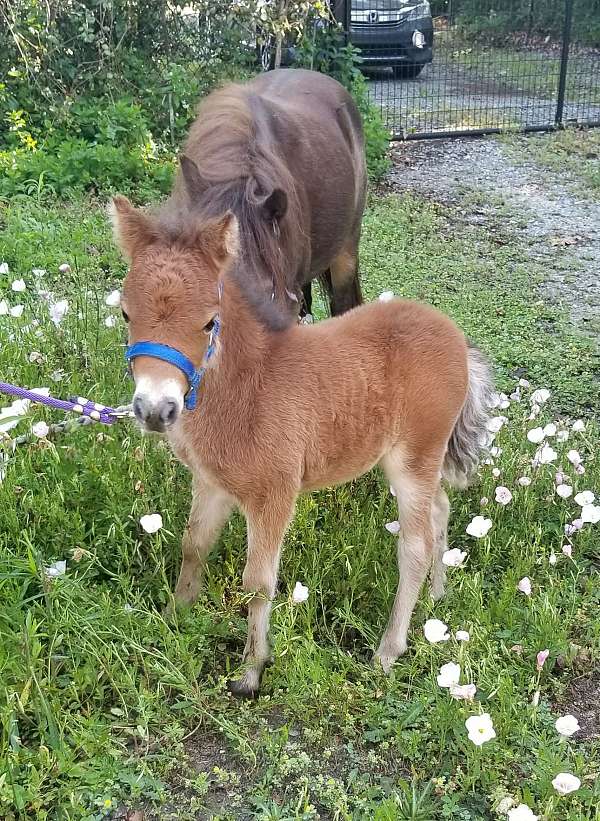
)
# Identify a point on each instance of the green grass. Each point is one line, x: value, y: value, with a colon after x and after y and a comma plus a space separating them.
x: 105, y: 703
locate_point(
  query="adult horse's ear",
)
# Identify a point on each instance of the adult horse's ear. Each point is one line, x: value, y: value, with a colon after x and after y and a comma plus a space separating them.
x: 132, y: 228
x: 194, y: 184
x: 274, y: 206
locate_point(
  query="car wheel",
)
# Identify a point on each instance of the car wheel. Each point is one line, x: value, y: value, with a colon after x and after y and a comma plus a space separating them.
x: 409, y: 71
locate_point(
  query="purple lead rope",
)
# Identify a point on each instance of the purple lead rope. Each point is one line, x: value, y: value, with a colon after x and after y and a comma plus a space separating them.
x: 93, y: 410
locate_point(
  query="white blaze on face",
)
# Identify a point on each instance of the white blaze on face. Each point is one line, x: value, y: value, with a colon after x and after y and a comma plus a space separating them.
x: 154, y: 389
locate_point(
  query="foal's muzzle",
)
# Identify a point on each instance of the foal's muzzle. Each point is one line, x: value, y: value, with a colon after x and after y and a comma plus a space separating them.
x: 156, y: 416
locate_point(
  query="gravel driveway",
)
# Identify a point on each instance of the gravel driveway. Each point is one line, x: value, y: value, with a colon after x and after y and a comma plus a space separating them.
x: 558, y: 223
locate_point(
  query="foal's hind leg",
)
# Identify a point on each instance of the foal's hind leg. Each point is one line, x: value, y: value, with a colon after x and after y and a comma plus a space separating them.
x: 440, y: 515
x: 210, y: 510
x: 345, y: 283
x: 415, y: 491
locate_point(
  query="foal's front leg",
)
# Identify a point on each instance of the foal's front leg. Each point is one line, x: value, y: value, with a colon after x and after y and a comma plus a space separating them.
x: 266, y: 529
x: 211, y: 507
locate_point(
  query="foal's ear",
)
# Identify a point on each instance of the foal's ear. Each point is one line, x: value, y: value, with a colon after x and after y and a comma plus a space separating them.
x: 274, y: 206
x: 194, y: 184
x: 220, y: 240
x: 132, y: 228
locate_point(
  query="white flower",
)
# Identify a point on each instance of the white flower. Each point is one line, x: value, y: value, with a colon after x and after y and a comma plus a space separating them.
x: 299, y: 593
x: 386, y: 296
x: 536, y: 435
x: 586, y: 497
x: 567, y: 550
x: 462, y: 635
x: 525, y: 586
x: 4, y: 268
x: 578, y: 426
x: 550, y: 429
x: 479, y: 526
x: 449, y: 675
x: 64, y: 268
x: 567, y: 725
x: 58, y: 310
x: 480, y: 729
x: 40, y: 429
x: 110, y: 321
x: 151, y: 522
x: 536, y: 698
x: 4, y: 309
x: 573, y: 527
x: 579, y: 469
x: 55, y: 570
x: 564, y: 783
x: 392, y: 527
x: 496, y: 473
x: 559, y: 478
x: 562, y: 435
x: 495, y: 452
x: 35, y: 357
x: 38, y: 272
x: 454, y: 557
x: 500, y: 400
x: 113, y: 300
x: 503, y: 495
x: 483, y: 501
x: 464, y: 692
x: 435, y: 631
x: 535, y: 411
x: 574, y: 457
x: 524, y: 481
x: 496, y: 423
x: 564, y: 491
x: 19, y: 285
x: 546, y: 455
x: 540, y: 396
x: 522, y: 813
x: 16, y: 311
x: 552, y: 558
x: 590, y: 514
x: 524, y: 383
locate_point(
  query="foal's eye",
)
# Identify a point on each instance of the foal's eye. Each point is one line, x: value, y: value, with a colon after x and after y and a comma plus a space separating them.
x: 125, y: 316
x: 209, y: 326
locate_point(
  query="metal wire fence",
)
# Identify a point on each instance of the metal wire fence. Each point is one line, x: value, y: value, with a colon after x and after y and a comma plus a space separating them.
x: 491, y: 72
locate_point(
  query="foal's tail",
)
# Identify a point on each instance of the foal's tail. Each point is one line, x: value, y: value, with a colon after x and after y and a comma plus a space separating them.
x: 468, y: 437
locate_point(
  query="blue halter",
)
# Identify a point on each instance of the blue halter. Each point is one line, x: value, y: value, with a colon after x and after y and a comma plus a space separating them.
x: 174, y: 357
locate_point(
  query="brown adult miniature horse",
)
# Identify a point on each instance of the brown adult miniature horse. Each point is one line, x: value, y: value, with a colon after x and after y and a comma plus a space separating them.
x: 281, y: 412
x: 285, y: 153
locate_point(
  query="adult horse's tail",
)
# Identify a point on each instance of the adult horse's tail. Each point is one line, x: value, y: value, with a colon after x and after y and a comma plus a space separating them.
x: 467, y: 441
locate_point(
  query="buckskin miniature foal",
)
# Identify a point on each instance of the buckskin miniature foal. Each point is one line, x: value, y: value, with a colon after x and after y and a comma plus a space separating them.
x: 260, y: 416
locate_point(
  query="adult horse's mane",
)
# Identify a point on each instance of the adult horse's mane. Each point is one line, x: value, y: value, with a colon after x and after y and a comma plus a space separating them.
x: 230, y: 163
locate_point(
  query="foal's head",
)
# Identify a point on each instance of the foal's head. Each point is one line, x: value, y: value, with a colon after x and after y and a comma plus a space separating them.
x: 170, y: 298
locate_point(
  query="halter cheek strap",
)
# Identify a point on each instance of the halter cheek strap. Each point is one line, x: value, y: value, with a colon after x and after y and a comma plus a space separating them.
x: 174, y: 357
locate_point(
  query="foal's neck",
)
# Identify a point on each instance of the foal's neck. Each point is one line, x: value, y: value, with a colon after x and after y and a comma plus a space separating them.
x: 243, y: 338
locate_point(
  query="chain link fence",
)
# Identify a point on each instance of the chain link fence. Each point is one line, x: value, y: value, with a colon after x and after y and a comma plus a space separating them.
x: 478, y: 67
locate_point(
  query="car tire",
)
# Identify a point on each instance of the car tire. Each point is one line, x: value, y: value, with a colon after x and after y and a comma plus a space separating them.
x: 409, y: 71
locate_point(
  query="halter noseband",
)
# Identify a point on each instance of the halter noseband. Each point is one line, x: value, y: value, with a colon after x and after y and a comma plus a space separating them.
x: 174, y: 357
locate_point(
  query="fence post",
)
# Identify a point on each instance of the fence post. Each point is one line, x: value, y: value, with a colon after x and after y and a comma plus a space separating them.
x: 564, y: 62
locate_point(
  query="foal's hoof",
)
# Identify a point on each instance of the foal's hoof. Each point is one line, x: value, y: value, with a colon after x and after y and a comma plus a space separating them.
x: 384, y: 662
x: 241, y: 689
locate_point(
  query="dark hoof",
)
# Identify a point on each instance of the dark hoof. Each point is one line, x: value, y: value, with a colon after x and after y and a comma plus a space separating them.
x: 241, y: 689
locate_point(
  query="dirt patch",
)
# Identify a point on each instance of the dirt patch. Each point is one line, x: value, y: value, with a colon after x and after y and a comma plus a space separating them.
x: 582, y: 700
x: 559, y: 226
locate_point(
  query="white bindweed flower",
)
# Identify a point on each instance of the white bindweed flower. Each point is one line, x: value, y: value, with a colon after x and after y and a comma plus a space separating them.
x: 463, y: 692
x: 3, y: 267
x: 151, y: 522
x: 36, y: 358
x: 535, y: 412
x: 579, y: 469
x: 567, y: 550
x: 40, y: 429
x: 110, y: 321
x: 449, y: 675
x: 58, y: 310
x: 64, y: 268
x: 392, y: 527
x: 565, y: 783
x: 522, y: 813
x: 480, y: 729
x: 17, y: 311
x: 524, y: 586
x: 299, y: 593
x: 586, y: 497
x: 435, y: 631
x: 454, y: 557
x: 524, y: 481
x: 590, y: 514
x: 39, y: 272
x: 564, y: 491
x: 483, y: 501
x: 386, y: 296
x: 113, y: 300
x: 496, y: 423
x: 545, y: 455
x: 55, y: 570
x: 573, y: 527
x: 562, y: 435
x: 540, y: 397
x: 496, y: 473
x: 541, y: 658
x: 550, y: 429
x: 574, y: 457
x: 479, y: 526
x: 4, y: 308
x: 536, y: 435
x: 524, y: 383
x: 19, y: 285
x: 462, y: 635
x: 567, y: 725
x: 503, y: 495
x: 578, y: 426
x: 552, y: 558
x: 560, y: 478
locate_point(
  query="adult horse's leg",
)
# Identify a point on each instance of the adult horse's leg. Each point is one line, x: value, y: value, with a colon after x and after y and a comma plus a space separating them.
x: 345, y: 283
x: 266, y: 529
x: 210, y: 510
x: 306, y: 308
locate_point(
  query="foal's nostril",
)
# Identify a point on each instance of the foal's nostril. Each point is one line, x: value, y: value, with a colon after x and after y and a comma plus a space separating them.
x: 167, y: 411
x: 141, y: 408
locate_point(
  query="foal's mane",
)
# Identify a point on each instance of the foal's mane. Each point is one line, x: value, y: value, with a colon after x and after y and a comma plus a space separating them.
x: 233, y: 145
